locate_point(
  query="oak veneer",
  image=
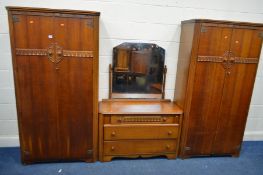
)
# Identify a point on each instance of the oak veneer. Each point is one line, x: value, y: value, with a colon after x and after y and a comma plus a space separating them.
x: 55, y: 61
x: 216, y: 71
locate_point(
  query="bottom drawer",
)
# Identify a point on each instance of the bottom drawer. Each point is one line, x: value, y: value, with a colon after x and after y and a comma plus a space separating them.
x: 139, y: 147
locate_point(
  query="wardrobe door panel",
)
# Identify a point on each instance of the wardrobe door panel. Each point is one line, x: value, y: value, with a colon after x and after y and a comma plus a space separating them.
x: 207, y: 90
x: 239, y: 82
x: 75, y: 84
x: 246, y: 43
x: 35, y: 89
x: 214, y: 40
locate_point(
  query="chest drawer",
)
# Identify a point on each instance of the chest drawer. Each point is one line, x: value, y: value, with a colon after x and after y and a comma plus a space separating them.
x: 128, y: 119
x: 140, y: 131
x: 138, y: 147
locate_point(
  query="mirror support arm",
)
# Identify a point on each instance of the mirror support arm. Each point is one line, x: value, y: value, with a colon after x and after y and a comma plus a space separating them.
x: 110, y: 81
x: 164, y: 80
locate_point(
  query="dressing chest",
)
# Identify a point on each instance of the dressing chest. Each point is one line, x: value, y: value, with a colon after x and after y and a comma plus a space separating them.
x: 138, y: 128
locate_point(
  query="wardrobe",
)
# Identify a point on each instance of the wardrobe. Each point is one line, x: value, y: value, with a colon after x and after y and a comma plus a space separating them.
x: 216, y: 71
x: 55, y: 63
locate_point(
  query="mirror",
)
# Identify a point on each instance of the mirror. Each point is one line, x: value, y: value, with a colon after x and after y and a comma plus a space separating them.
x: 138, y: 71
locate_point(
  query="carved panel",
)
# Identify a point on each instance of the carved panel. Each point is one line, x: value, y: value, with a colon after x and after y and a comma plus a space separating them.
x: 141, y: 119
x: 227, y: 60
x: 54, y: 52
x: 31, y: 52
x: 246, y: 60
x: 216, y: 59
x: 84, y: 54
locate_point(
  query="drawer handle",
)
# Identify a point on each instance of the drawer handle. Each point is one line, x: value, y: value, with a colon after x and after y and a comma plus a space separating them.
x: 170, y: 133
x: 113, y: 133
x: 168, y: 146
x: 112, y: 148
x: 164, y: 119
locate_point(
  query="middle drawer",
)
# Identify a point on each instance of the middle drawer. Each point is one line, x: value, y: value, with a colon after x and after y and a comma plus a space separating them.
x: 140, y: 131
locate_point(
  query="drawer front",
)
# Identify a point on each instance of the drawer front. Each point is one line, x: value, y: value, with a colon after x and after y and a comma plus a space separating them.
x: 140, y: 131
x: 127, y: 119
x: 139, y: 147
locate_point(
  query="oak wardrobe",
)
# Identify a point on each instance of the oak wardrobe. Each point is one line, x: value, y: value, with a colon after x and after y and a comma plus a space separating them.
x: 55, y: 63
x: 216, y: 71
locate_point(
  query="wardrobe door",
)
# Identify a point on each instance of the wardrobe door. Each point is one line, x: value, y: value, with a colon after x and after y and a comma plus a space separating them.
x: 207, y: 90
x: 240, y: 76
x: 75, y: 75
x: 35, y: 82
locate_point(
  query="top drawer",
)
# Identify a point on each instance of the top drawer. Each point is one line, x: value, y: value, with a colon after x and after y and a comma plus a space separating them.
x: 144, y: 119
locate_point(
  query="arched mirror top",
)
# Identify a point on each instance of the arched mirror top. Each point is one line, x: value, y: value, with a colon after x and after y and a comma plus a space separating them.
x: 138, y: 71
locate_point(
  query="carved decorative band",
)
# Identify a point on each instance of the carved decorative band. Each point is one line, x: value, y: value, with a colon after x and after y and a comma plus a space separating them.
x: 216, y: 59
x: 44, y: 52
x: 31, y: 52
x: 219, y: 59
x: 246, y: 60
x: 84, y: 54
x: 142, y: 119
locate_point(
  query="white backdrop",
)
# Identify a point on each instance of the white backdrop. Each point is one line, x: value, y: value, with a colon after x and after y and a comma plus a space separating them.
x: 156, y: 21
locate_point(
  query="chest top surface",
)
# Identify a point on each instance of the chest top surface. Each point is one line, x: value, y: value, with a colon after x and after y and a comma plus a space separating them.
x: 139, y: 107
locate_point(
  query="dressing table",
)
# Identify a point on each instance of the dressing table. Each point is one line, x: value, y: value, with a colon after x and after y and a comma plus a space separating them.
x: 136, y: 120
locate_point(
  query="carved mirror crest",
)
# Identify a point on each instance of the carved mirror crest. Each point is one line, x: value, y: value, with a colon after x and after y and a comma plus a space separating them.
x: 138, y: 71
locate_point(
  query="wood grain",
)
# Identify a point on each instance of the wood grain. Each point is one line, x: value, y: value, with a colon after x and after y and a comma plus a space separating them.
x: 56, y: 101
x: 219, y: 59
x: 138, y: 128
x: 140, y: 131
x: 140, y: 147
x: 138, y: 107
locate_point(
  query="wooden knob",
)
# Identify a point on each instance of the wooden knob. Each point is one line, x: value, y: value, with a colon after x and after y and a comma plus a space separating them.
x: 112, y: 148
x: 164, y: 119
x: 167, y: 146
x: 170, y: 132
x: 113, y: 133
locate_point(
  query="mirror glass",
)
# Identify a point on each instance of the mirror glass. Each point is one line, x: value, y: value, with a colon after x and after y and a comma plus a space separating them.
x: 138, y: 68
